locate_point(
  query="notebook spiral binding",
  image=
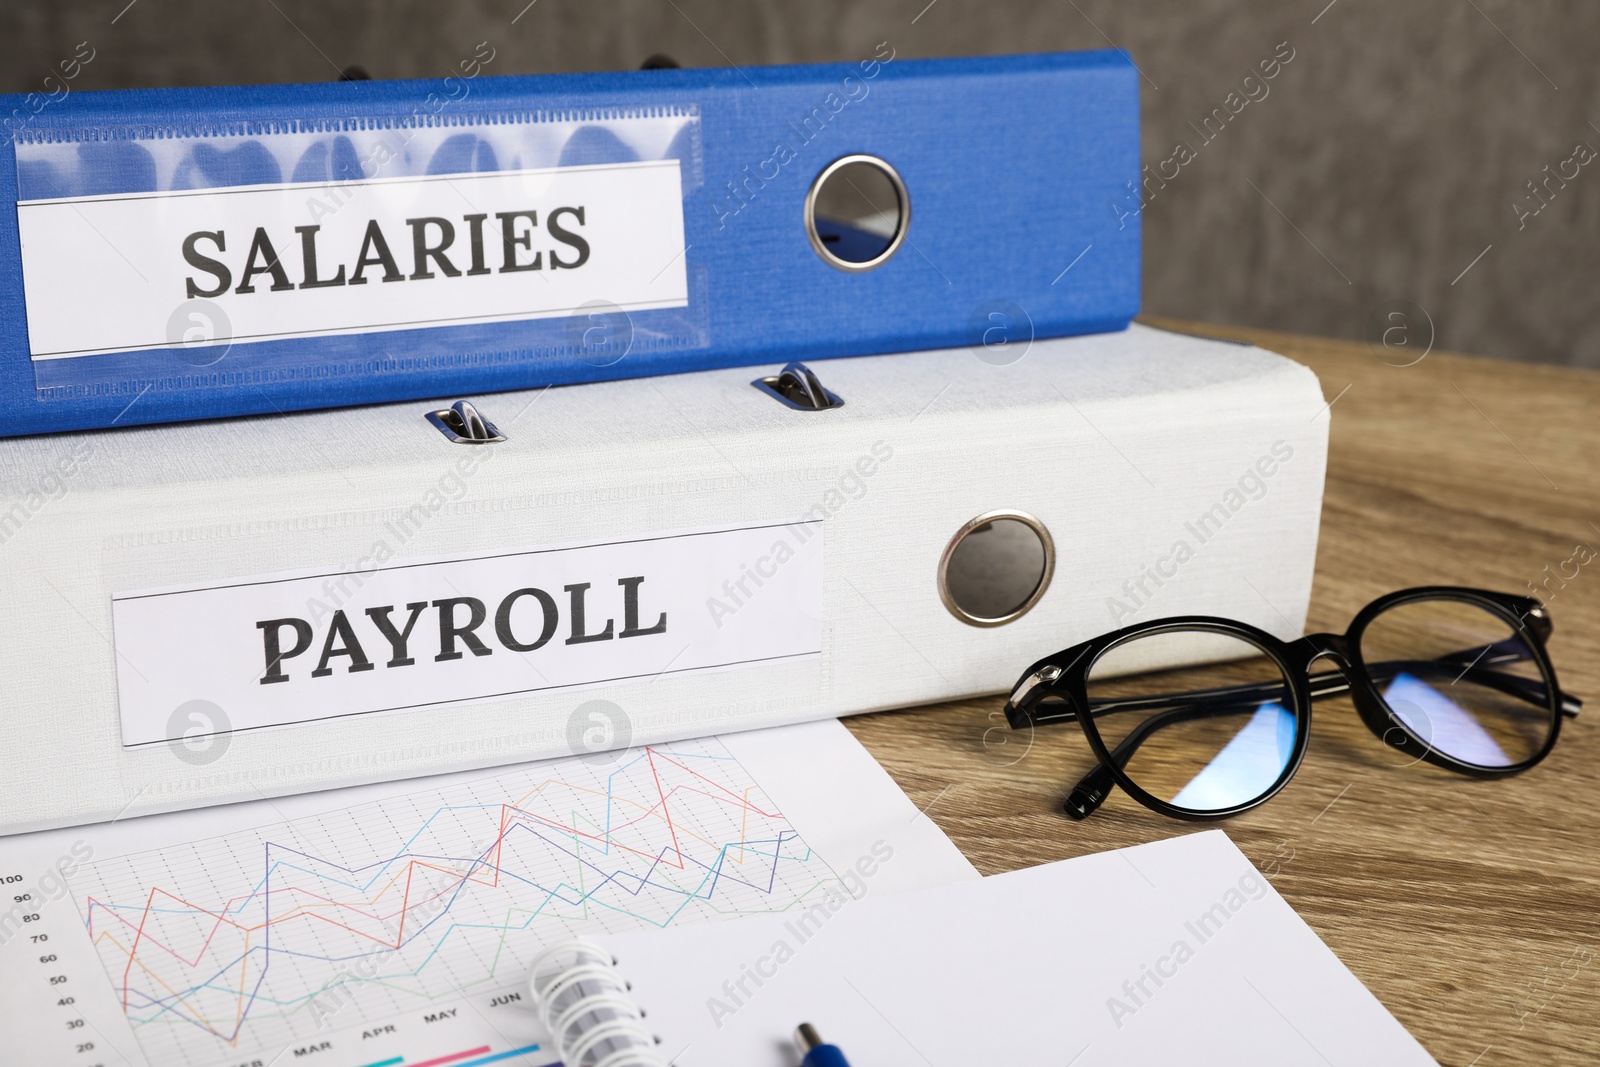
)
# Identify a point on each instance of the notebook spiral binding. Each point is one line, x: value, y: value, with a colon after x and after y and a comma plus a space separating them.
x: 585, y: 1006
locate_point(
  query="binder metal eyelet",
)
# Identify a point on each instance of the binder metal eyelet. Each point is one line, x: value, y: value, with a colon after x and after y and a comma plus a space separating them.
x: 999, y: 582
x: 462, y: 425
x: 797, y: 386
x: 820, y: 241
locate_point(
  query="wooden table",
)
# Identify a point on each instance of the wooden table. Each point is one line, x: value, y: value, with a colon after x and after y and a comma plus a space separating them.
x: 1470, y: 908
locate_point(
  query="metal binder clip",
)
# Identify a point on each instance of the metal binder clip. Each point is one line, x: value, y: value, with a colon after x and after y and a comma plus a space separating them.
x: 462, y: 425
x: 797, y: 386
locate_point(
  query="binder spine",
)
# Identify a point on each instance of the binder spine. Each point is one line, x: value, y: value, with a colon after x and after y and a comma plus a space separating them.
x: 183, y: 254
x: 585, y: 1005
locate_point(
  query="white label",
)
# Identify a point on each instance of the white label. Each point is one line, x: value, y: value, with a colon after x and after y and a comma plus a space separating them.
x: 280, y: 649
x: 117, y: 273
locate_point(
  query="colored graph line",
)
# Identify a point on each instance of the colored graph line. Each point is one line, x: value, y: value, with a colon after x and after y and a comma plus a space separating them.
x: 456, y: 1056
x: 497, y: 1057
x: 666, y: 831
x: 453, y: 1057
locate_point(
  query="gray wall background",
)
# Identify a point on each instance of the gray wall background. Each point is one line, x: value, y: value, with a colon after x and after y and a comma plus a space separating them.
x: 1383, y: 166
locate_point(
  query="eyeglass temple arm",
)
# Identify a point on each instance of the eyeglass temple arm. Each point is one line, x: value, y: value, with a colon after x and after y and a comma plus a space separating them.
x: 1328, y: 683
x: 1333, y: 682
x: 1528, y: 690
x: 1476, y: 664
x: 1093, y: 788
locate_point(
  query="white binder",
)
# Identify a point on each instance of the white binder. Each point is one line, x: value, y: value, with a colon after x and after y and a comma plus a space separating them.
x: 220, y: 611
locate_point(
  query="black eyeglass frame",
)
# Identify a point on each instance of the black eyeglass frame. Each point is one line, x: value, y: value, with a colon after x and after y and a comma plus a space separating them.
x: 1055, y: 689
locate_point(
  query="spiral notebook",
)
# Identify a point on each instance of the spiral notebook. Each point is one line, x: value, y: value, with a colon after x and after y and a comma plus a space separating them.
x: 1173, y: 952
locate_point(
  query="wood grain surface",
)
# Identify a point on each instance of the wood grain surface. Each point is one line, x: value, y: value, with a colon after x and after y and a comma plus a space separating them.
x: 1470, y: 908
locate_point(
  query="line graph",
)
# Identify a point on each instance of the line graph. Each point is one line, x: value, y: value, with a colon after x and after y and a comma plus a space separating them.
x: 249, y: 942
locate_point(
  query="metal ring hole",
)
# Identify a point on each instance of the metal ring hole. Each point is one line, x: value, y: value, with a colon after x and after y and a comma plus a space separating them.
x: 996, y: 568
x: 857, y: 212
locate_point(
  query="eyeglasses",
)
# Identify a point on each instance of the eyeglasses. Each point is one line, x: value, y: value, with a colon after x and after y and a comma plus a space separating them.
x: 1201, y: 718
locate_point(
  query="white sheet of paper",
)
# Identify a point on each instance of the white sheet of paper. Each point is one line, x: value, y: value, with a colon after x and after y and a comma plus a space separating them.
x: 221, y: 934
x: 1176, y: 952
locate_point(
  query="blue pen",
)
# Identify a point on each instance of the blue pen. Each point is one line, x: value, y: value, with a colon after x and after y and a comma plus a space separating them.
x: 817, y: 1053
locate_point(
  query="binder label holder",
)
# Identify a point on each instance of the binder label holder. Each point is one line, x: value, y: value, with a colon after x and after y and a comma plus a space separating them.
x: 138, y: 245
x: 289, y: 261
x: 406, y: 635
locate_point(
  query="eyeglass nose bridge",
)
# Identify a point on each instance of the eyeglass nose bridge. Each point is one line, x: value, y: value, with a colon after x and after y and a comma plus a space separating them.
x: 1331, y: 647
x: 1335, y: 650
x: 1319, y: 646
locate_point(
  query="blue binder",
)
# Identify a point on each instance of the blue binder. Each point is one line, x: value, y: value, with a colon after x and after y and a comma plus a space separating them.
x: 196, y: 253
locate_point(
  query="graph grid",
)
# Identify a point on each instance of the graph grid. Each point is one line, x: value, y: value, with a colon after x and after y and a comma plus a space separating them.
x: 230, y: 946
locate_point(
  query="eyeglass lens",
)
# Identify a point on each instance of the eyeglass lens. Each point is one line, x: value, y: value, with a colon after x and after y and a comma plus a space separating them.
x: 1203, y: 738
x: 1462, y: 679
